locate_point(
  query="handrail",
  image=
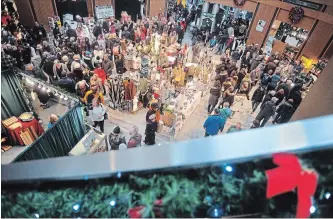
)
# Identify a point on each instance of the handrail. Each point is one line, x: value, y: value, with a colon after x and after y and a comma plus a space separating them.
x: 296, y: 137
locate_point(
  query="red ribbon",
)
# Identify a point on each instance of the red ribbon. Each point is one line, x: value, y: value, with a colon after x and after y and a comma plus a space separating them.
x: 288, y: 176
x: 137, y: 211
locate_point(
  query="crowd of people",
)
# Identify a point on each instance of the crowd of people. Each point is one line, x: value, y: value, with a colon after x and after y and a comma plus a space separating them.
x: 82, y: 60
x: 278, y: 84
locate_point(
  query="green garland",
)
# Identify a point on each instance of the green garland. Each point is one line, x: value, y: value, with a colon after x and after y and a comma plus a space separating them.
x: 185, y: 193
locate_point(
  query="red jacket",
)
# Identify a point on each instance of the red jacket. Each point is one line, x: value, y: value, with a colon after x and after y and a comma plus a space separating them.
x: 101, y: 74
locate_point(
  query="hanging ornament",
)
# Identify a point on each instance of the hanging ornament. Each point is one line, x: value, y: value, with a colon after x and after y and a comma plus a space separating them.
x: 288, y: 176
x: 239, y: 2
x: 296, y: 14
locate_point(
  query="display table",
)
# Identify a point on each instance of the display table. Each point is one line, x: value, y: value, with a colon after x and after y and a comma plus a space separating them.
x: 92, y: 142
x: 15, y: 133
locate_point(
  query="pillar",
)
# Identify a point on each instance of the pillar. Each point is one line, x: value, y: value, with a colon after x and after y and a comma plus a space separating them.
x: 216, y: 8
x: 205, y: 8
x: 27, y: 18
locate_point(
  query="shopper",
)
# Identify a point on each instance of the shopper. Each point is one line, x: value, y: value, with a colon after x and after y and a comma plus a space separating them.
x: 135, y: 138
x: 257, y: 97
x: 53, y: 120
x: 116, y: 138
x: 151, y: 129
x: 213, y: 124
x: 97, y: 114
x: 284, y: 112
x: 267, y: 111
x: 225, y: 113
x: 215, y: 93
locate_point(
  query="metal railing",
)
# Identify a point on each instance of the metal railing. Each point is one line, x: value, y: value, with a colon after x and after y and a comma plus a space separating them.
x: 297, y: 137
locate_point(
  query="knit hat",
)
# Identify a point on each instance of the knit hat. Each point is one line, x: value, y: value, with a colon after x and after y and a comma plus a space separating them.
x: 65, y: 59
x: 76, y: 57
x: 274, y: 99
x: 116, y: 130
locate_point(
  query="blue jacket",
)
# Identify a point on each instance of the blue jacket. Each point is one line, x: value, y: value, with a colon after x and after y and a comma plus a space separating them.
x: 225, y: 113
x: 213, y: 124
x: 275, y: 79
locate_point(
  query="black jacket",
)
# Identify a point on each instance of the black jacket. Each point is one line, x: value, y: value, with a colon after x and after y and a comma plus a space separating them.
x: 285, y: 111
x: 151, y: 128
x: 258, y: 95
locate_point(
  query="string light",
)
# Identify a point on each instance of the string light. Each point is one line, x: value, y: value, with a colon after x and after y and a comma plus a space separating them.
x: 228, y: 169
x: 112, y: 203
x: 44, y: 88
x: 327, y: 195
x: 39, y: 86
x: 61, y: 96
x: 37, y: 215
x: 312, y: 209
x: 56, y: 94
x: 65, y: 98
x: 76, y: 207
x: 48, y: 90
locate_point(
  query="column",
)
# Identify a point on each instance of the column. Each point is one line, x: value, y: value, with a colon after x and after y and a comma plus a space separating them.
x: 205, y: 8
x: 216, y: 8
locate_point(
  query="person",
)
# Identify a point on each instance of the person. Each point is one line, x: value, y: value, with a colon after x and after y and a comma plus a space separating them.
x: 229, y: 96
x: 257, y: 97
x: 284, y: 112
x: 39, y: 32
x: 255, y: 124
x: 280, y: 95
x: 107, y: 65
x: 7, y: 61
x: 267, y: 110
x: 273, y: 81
x: 53, y: 120
x: 215, y: 93
x: 81, y: 89
x: 151, y: 129
x: 116, y: 138
x: 97, y: 114
x: 225, y: 113
x: 135, y: 138
x: 235, y: 128
x: 245, y: 86
x: 296, y: 95
x: 213, y: 124
x: 92, y: 94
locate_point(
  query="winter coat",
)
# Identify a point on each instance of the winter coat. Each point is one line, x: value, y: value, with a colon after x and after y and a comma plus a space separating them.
x: 235, y: 55
x: 151, y: 128
x: 134, y: 141
x: 225, y: 113
x: 258, y: 95
x: 213, y: 124
x: 97, y: 113
x: 285, y: 111
x: 116, y: 140
x: 285, y: 87
x: 256, y: 62
x: 107, y: 66
x: 221, y: 77
x: 267, y: 110
x: 215, y: 93
x: 267, y: 98
x: 274, y: 80
x: 280, y: 98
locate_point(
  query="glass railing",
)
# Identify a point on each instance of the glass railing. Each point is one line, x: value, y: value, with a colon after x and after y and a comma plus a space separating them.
x: 223, y: 176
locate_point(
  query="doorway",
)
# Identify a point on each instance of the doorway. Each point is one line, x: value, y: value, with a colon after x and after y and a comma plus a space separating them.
x: 78, y: 7
x: 132, y: 7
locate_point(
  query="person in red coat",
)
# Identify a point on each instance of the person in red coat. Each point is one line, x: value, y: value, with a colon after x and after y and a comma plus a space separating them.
x: 99, y: 71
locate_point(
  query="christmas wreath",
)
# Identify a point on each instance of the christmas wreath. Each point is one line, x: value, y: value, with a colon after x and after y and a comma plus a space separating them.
x: 296, y: 14
x: 239, y: 2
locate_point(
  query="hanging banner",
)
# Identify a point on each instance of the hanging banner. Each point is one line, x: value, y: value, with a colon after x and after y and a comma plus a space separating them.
x: 104, y: 11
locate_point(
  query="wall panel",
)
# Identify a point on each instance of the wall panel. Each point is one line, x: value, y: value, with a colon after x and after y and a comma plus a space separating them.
x: 318, y: 40
x: 265, y: 13
x: 155, y: 6
x: 43, y: 9
x: 249, y: 5
x: 25, y: 12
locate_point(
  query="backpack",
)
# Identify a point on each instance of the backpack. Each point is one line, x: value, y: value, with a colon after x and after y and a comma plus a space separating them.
x: 265, y: 79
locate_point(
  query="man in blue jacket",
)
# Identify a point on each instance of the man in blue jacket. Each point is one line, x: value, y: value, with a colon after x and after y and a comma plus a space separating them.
x: 213, y: 124
x: 225, y: 113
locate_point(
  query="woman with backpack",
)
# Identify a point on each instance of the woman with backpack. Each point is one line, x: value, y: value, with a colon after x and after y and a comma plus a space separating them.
x: 273, y: 82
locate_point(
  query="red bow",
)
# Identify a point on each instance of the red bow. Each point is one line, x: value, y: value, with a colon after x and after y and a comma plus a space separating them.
x: 288, y: 176
x: 137, y: 212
